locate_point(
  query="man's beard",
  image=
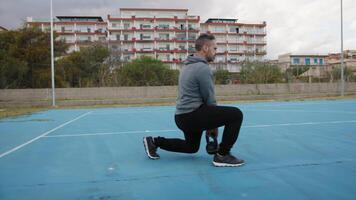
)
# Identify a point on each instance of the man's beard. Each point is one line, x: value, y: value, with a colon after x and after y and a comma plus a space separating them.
x: 210, y: 58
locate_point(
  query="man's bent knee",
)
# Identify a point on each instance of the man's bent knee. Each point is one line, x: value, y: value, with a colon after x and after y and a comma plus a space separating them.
x: 238, y: 115
x: 193, y: 149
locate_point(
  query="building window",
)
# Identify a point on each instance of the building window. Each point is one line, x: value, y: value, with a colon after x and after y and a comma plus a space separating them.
x: 146, y: 47
x: 145, y: 26
x: 315, y: 61
x: 192, y: 36
x: 191, y: 27
x: 163, y: 26
x: 321, y: 61
x: 180, y: 36
x: 219, y: 29
x: 145, y: 37
x: 126, y: 37
x: 295, y: 61
x: 233, y: 48
x: 126, y: 26
x: 234, y: 30
x: 163, y: 36
x: 307, y: 61
x: 117, y: 37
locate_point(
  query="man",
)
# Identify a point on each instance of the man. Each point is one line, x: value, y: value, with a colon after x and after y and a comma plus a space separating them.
x: 197, y: 111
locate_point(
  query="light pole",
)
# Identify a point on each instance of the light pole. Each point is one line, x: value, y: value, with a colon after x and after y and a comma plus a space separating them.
x: 342, y: 55
x: 52, y: 61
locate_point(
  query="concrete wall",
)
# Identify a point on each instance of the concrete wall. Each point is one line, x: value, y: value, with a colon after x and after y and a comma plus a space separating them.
x: 165, y: 94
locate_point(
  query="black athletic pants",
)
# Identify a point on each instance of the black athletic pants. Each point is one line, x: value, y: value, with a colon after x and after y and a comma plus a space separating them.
x: 194, y: 123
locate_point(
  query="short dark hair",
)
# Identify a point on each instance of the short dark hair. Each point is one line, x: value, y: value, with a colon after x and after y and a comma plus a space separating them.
x: 202, y: 40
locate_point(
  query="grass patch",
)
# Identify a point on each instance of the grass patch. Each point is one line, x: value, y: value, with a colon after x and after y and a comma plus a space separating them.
x: 14, y: 112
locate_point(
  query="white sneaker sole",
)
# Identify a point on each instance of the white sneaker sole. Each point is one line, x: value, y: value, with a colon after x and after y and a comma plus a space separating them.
x: 146, y: 149
x: 216, y: 164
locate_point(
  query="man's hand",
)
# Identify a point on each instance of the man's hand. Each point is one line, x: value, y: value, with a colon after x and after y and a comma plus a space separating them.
x: 212, y: 132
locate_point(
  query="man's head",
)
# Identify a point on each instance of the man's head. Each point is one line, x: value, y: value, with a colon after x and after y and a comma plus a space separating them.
x: 206, y: 46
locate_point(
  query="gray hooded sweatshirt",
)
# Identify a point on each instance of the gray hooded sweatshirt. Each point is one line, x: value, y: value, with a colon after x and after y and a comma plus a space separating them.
x: 196, y: 85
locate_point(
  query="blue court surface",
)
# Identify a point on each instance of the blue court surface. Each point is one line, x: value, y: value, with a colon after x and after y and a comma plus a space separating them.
x: 293, y: 150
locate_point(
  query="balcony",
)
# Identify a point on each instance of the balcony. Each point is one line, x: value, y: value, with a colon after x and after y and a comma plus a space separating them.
x: 180, y: 50
x: 84, y: 41
x: 259, y: 42
x: 128, y: 40
x: 260, y: 33
x: 164, y: 39
x: 181, y: 39
x: 146, y: 50
x: 162, y: 27
x: 163, y: 49
x: 144, y: 39
x: 100, y: 31
x: 190, y: 18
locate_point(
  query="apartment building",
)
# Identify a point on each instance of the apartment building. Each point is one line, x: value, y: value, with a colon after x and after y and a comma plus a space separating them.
x: 237, y: 42
x: 165, y: 34
x: 317, y: 63
x: 75, y: 30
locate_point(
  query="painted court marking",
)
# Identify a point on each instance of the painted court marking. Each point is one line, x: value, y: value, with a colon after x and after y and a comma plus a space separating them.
x: 244, y: 107
x: 43, y: 135
x: 112, y: 133
x: 302, y: 111
x: 177, y: 130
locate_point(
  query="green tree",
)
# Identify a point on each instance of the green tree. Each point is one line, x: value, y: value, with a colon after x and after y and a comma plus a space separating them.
x: 222, y: 77
x: 85, y: 68
x: 25, y: 58
x: 146, y: 71
x: 336, y: 74
x: 257, y: 72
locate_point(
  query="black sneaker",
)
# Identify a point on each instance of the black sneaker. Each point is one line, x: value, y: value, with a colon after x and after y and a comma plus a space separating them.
x: 150, y: 148
x: 227, y: 161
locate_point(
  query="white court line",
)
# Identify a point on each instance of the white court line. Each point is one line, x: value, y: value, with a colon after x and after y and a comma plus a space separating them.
x: 43, y: 135
x: 299, y: 124
x: 303, y: 111
x: 135, y: 112
x: 177, y: 130
x: 297, y: 103
x: 244, y: 107
x: 262, y: 110
x: 112, y: 133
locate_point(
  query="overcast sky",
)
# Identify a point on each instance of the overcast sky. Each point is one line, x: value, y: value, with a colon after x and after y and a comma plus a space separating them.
x: 293, y: 26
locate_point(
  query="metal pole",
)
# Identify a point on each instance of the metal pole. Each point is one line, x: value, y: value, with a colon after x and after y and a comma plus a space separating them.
x: 342, y: 55
x: 52, y: 61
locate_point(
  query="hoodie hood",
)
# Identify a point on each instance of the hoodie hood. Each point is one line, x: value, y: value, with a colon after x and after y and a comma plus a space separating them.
x: 194, y: 59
